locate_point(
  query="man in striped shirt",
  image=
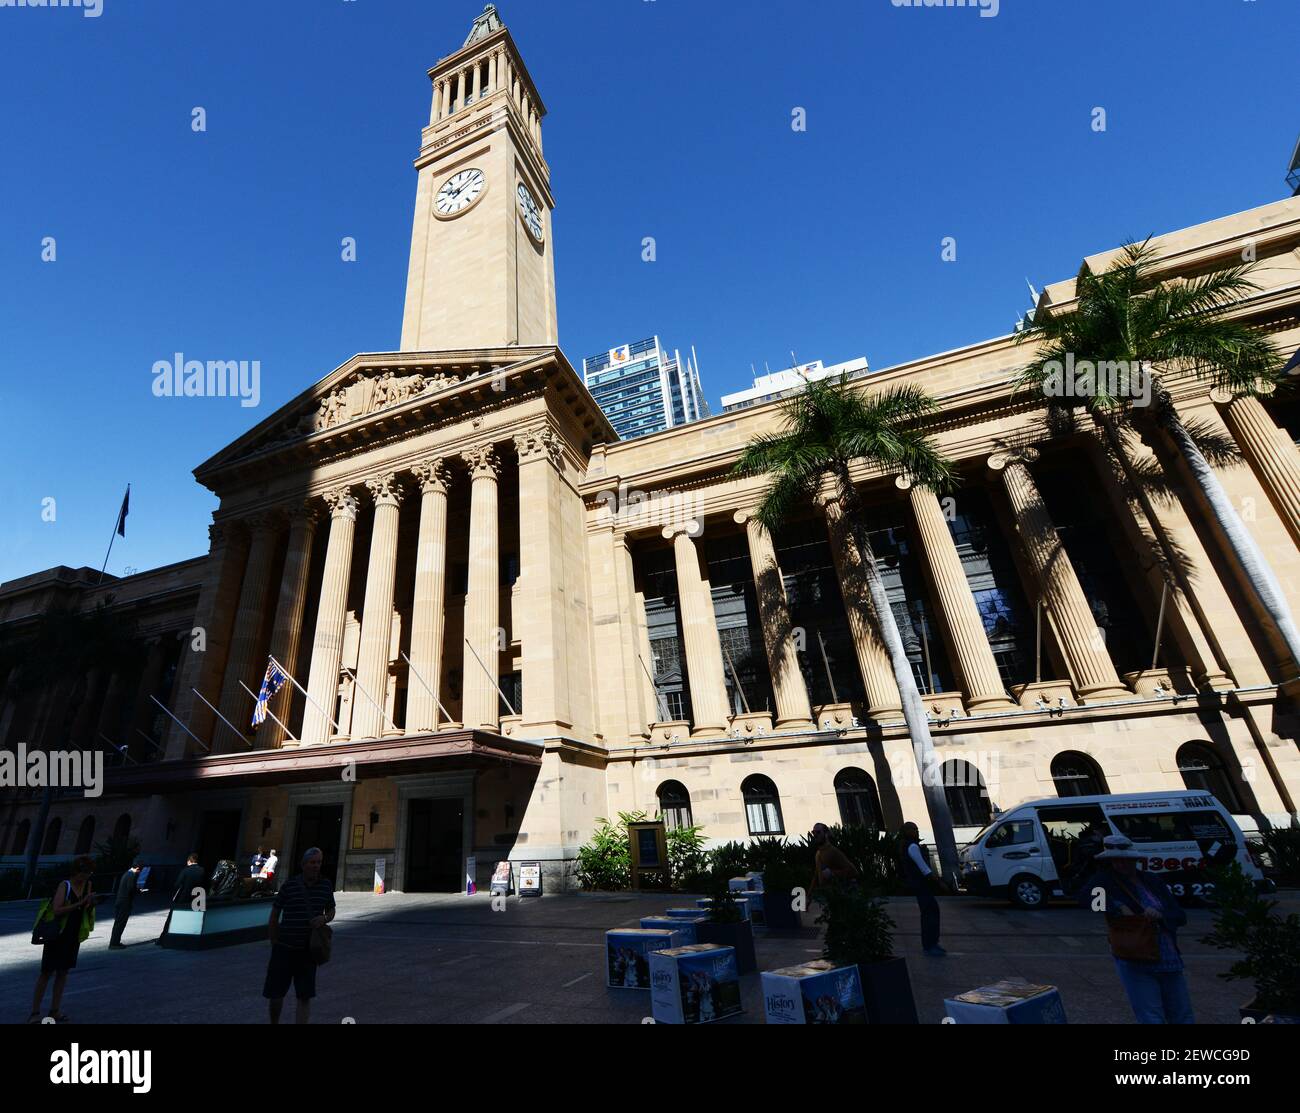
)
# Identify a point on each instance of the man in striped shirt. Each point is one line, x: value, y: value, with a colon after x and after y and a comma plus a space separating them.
x: 303, y: 902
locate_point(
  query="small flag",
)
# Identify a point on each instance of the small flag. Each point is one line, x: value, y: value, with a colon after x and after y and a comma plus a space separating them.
x: 121, y: 514
x: 272, y: 682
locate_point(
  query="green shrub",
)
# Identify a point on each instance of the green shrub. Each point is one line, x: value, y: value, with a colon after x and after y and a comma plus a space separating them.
x: 687, y: 858
x: 1282, y: 846
x: 606, y: 861
x: 1245, y: 921
x: 731, y: 858
x: 859, y: 928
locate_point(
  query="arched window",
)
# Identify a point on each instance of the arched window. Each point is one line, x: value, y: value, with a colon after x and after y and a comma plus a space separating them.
x: 53, y: 830
x: 1077, y: 774
x: 674, y: 805
x: 85, y: 835
x: 122, y: 828
x: 859, y: 802
x: 20, y: 837
x: 762, y: 806
x: 968, y: 799
x: 1202, y: 768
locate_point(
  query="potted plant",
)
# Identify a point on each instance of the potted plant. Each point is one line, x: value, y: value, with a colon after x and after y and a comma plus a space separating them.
x: 860, y: 931
x: 783, y: 874
x: 1245, y: 921
x: 726, y: 925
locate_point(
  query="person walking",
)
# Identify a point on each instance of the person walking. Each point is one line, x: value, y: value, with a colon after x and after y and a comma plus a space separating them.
x: 303, y: 903
x: 123, y: 902
x: 922, y: 882
x: 831, y: 864
x: 1143, y: 919
x: 74, y: 912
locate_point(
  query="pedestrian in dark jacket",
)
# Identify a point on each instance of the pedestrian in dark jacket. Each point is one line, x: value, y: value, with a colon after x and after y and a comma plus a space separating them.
x: 123, y: 902
x: 189, y: 879
x: 921, y: 880
x: 1143, y: 918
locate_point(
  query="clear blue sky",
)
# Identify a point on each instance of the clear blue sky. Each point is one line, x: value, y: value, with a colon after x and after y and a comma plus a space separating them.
x: 668, y: 118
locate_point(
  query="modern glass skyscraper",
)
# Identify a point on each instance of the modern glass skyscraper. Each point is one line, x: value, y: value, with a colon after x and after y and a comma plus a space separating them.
x: 643, y: 388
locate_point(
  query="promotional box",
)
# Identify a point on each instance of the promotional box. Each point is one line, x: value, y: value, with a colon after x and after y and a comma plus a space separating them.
x: 755, y: 879
x: 627, y: 951
x: 816, y: 992
x: 685, y: 914
x: 739, y: 884
x: 694, y: 985
x: 683, y: 926
x: 742, y: 902
x: 1007, y: 1002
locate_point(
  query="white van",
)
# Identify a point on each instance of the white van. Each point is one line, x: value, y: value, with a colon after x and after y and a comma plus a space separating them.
x: 1043, y: 848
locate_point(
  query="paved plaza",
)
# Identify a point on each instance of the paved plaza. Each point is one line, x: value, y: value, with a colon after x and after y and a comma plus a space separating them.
x: 451, y: 959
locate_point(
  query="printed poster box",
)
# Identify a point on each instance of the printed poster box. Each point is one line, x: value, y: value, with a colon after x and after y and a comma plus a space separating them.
x: 742, y: 902
x: 685, y: 927
x: 816, y: 992
x: 694, y: 985
x: 627, y: 963
x: 755, y: 878
x: 739, y: 884
x: 1007, y: 1002
x: 685, y: 914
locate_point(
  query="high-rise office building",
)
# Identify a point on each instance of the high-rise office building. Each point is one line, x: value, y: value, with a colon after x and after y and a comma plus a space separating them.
x: 644, y: 388
x: 781, y: 384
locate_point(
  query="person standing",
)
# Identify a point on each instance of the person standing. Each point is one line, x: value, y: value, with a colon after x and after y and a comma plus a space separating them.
x: 74, y: 911
x: 123, y: 902
x: 269, y: 867
x: 255, y: 866
x: 303, y: 903
x: 831, y: 863
x: 1143, y: 919
x: 922, y: 882
x: 189, y: 879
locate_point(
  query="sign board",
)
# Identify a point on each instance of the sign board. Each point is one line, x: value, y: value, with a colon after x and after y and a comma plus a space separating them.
x: 358, y: 836
x: 471, y: 876
x: 649, y: 846
x: 530, y: 879
x: 620, y: 355
x: 380, y: 866
x: 501, y: 879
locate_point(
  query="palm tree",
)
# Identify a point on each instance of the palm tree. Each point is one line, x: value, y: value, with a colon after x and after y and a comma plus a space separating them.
x: 1126, y: 316
x: 828, y: 426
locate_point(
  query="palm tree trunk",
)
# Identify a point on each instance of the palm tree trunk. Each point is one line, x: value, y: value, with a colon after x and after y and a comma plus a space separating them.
x: 1258, y: 574
x: 914, y: 713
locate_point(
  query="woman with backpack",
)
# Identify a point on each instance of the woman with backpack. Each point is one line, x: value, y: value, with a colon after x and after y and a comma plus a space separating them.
x: 60, y: 927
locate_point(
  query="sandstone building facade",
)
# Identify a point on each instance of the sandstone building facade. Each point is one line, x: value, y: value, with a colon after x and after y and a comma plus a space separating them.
x: 507, y: 623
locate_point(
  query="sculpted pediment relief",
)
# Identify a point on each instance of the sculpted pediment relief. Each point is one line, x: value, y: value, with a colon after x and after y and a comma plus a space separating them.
x: 367, y: 394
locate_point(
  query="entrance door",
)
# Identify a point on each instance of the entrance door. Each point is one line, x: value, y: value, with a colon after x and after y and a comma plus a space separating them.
x: 218, y: 839
x: 319, y: 825
x: 433, y: 845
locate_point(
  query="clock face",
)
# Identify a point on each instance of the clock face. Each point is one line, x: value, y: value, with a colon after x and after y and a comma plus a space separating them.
x: 459, y: 192
x: 531, y: 214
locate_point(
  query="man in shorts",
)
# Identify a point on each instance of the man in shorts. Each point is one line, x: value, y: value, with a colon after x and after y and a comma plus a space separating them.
x: 303, y: 902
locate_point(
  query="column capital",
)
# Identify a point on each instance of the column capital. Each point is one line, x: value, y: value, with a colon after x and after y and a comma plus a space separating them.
x: 483, y: 461
x: 433, y: 476
x: 385, y: 490
x: 538, y: 443
x: 1000, y: 459
x: 263, y: 521
x: 303, y: 516
x: 745, y: 515
x: 691, y: 529
x: 342, y: 502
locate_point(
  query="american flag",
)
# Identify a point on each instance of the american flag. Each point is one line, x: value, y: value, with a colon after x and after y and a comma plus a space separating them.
x: 272, y: 682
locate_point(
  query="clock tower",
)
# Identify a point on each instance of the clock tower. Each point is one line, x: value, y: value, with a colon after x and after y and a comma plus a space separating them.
x: 481, y: 273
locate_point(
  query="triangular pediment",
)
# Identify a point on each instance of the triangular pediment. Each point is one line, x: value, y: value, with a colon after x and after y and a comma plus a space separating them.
x: 377, y: 388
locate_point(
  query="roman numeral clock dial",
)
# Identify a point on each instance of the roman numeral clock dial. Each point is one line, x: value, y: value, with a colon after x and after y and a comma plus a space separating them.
x: 529, y: 213
x: 459, y: 192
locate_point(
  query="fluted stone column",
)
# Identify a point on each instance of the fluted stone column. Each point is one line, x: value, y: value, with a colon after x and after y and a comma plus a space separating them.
x: 478, y: 75
x: 205, y: 645
x: 982, y: 683
x: 481, y: 668
x: 110, y: 711
x: 428, y: 615
x: 243, y: 663
x: 286, y: 632
x: 143, y: 708
x: 327, y: 645
x: 710, y: 709
x: 1271, y: 452
x: 368, y: 718
x: 883, y: 700
x: 80, y: 734
x: 789, y: 691
x: 1082, y: 643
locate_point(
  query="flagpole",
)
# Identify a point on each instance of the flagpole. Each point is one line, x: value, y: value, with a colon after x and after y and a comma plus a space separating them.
x: 490, y: 679
x: 357, y: 684
x: 429, y: 690
x: 328, y: 717
x: 268, y: 711
x: 119, y: 524
x: 220, y: 716
x: 206, y: 747
x: 121, y: 751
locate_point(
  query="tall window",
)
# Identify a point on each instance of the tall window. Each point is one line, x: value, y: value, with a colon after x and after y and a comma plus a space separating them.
x: 735, y: 609
x: 762, y: 806
x: 122, y: 828
x: 968, y: 799
x: 85, y: 835
x: 859, y: 803
x: 667, y: 662
x: 674, y: 805
x: 52, y: 832
x: 1204, y: 769
x: 1076, y: 774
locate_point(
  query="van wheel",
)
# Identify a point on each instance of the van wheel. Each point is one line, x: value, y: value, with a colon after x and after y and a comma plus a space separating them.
x: 1027, y: 892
